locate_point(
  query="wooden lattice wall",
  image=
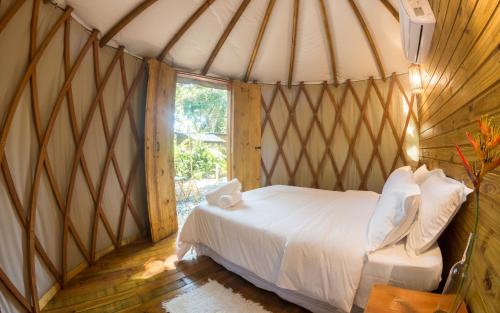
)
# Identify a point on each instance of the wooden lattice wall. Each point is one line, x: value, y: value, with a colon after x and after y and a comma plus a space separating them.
x: 346, y: 137
x: 70, y: 151
x: 461, y: 81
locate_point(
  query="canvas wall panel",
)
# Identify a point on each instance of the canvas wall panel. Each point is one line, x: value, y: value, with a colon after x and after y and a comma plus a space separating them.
x: 72, y: 119
x: 338, y: 138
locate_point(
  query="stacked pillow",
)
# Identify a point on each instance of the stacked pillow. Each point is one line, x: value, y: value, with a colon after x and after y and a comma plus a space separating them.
x: 422, y: 173
x: 441, y: 198
x: 395, y: 210
x: 418, y: 205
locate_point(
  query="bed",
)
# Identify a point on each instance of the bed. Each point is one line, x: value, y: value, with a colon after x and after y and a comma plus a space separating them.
x: 306, y: 245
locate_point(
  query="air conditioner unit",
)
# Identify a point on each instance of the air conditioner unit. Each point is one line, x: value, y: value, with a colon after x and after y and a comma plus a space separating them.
x: 417, y: 25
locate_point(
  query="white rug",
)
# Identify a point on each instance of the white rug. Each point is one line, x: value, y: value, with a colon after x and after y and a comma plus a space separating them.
x: 212, y: 298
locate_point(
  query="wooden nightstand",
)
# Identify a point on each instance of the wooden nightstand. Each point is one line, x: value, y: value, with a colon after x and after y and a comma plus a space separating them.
x: 389, y: 299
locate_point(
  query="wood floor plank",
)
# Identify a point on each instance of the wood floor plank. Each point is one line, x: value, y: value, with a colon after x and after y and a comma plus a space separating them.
x: 121, y: 282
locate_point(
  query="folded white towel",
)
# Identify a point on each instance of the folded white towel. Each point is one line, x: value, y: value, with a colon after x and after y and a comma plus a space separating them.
x: 227, y: 189
x: 227, y: 201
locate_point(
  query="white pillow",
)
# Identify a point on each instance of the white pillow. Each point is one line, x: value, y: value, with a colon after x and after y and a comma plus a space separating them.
x: 441, y: 197
x: 395, y: 210
x: 422, y: 173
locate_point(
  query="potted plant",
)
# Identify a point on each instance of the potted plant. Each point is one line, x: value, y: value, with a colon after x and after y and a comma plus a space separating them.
x: 485, y: 145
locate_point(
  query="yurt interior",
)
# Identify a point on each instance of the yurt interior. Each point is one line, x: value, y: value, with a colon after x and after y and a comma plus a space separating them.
x: 226, y: 156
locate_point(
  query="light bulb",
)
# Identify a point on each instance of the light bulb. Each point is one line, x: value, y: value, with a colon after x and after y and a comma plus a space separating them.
x: 415, y: 78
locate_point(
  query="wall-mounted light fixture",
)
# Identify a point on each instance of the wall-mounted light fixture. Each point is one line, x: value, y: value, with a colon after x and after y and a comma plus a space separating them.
x: 413, y: 153
x: 415, y: 79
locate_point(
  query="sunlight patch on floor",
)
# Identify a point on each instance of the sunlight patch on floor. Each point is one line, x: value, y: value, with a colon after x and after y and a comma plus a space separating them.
x: 155, y: 267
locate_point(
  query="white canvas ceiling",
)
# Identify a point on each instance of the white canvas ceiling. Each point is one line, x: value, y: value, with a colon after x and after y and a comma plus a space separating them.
x: 148, y: 33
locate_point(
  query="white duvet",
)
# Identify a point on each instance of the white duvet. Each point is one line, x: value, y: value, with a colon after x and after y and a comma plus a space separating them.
x: 306, y: 240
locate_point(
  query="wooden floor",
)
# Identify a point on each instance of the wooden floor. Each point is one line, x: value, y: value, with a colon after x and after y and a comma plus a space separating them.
x: 142, y: 275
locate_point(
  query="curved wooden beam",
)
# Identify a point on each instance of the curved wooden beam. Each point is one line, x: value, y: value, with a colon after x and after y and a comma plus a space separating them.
x: 125, y: 20
x: 19, y: 210
x: 329, y: 39
x: 123, y: 213
x: 102, y: 108
x: 135, y: 134
x: 294, y: 41
x: 35, y: 104
x: 99, y: 212
x: 391, y: 9
x: 262, y: 30
x: 108, y: 136
x: 67, y: 224
x: 83, y: 135
x: 369, y: 38
x: 31, y: 76
x: 34, y: 85
x: 11, y: 288
x: 328, y: 137
x: 184, y: 28
x: 409, y: 115
x: 225, y: 34
x: 39, y: 166
x: 13, y: 105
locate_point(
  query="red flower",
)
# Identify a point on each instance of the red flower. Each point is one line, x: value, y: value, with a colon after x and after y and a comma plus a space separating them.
x: 484, y: 145
x: 468, y: 168
x: 494, y: 142
x: 475, y: 145
x: 484, y: 126
x: 490, y: 166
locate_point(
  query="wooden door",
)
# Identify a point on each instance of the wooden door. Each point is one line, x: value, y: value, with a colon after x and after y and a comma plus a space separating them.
x: 245, y: 134
x: 159, y: 150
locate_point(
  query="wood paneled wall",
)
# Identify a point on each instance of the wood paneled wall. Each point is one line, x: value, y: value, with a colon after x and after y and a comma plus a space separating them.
x: 71, y: 187
x: 461, y: 83
x: 350, y: 136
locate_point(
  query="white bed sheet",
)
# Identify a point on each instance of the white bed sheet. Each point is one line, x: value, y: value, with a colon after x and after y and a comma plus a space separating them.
x: 306, y: 240
x: 392, y: 265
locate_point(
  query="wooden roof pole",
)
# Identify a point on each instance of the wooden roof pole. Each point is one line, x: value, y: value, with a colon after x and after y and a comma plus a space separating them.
x: 391, y: 9
x: 11, y: 11
x: 224, y: 36
x: 184, y: 28
x: 262, y: 30
x: 329, y: 39
x: 294, y: 41
x: 368, y: 36
x: 124, y: 21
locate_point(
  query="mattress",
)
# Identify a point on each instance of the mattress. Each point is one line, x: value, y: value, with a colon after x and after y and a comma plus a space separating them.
x: 308, y: 242
x: 311, y: 304
x: 393, y: 266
